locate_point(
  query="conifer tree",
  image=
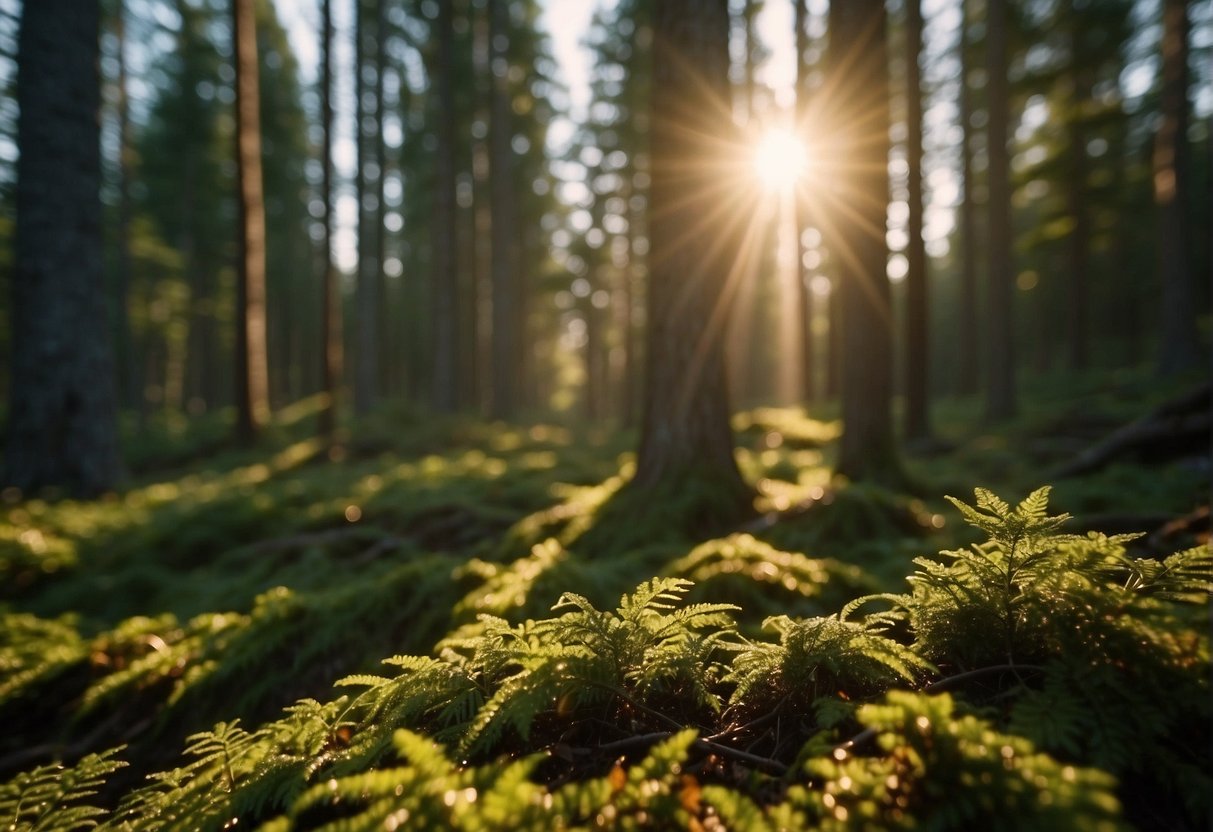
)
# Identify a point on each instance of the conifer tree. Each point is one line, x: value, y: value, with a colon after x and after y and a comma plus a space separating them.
x: 62, y: 429
x: 252, y: 362
x: 685, y: 435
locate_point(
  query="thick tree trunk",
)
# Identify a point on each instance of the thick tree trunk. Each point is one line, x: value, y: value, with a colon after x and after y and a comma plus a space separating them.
x: 969, y: 350
x: 686, y: 441
x: 445, y: 288
x: 252, y: 374
x: 505, y: 291
x: 1180, y: 348
x: 859, y: 118
x: 917, y: 424
x: 1000, y: 297
x: 330, y: 306
x: 62, y: 428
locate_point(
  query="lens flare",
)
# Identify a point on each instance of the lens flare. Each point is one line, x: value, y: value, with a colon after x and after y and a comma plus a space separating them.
x: 779, y: 159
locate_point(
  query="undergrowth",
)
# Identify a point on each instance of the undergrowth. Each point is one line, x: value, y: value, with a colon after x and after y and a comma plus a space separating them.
x: 1034, y: 680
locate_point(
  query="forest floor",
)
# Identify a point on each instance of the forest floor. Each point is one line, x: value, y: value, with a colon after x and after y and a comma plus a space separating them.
x: 228, y: 583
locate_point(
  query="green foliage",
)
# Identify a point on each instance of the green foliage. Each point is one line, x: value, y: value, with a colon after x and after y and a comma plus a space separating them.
x: 493, y: 680
x: 942, y: 770
x: 654, y: 711
x: 28, y: 556
x: 55, y: 797
x: 743, y: 570
x: 34, y: 650
x: 821, y: 656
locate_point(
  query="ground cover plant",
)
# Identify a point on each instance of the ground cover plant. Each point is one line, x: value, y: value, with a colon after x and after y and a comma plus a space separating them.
x: 436, y: 639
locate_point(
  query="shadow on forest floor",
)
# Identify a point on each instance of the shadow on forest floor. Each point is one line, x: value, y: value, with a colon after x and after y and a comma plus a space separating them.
x: 173, y: 599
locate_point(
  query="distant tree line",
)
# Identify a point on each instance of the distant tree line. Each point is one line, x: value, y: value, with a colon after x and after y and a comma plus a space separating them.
x: 172, y: 243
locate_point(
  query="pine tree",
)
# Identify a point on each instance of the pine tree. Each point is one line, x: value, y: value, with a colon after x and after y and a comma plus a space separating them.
x: 62, y: 429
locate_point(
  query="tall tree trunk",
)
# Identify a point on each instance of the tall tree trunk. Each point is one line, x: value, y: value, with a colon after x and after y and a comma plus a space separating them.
x: 252, y: 374
x: 128, y: 376
x: 62, y: 429
x: 505, y: 292
x: 1076, y: 194
x: 1180, y: 348
x: 860, y: 123
x: 969, y: 378
x: 918, y: 349
x: 365, y: 354
x: 330, y: 305
x: 804, y: 296
x: 445, y: 288
x: 686, y: 442
x: 373, y: 307
x: 1000, y: 297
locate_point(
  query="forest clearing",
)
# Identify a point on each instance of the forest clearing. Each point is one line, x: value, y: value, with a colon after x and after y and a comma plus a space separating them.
x: 544, y: 415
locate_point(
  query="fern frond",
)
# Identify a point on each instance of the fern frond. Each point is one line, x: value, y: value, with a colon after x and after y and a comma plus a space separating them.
x: 55, y: 797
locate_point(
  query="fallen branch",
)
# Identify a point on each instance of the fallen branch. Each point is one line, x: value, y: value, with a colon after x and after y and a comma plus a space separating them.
x: 1181, y: 423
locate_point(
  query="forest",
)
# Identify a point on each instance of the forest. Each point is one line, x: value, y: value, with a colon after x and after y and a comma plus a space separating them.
x: 606, y: 414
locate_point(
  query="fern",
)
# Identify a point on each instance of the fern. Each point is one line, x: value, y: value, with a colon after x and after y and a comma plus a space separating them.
x: 821, y: 655
x: 942, y: 770
x: 57, y: 798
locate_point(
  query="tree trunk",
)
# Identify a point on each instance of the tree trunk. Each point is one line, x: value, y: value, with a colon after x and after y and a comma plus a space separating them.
x: 365, y: 300
x: 445, y: 288
x: 130, y: 394
x: 859, y: 120
x: 917, y: 423
x: 1076, y: 195
x: 252, y: 375
x: 803, y: 295
x: 686, y: 441
x: 1000, y: 299
x: 1180, y: 349
x: 969, y: 370
x: 62, y: 429
x: 505, y: 292
x: 330, y: 307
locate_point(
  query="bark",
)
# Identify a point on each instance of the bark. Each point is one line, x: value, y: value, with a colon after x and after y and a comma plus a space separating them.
x: 128, y: 376
x: 1076, y: 197
x: 804, y: 296
x: 445, y: 289
x: 1000, y: 347
x: 330, y: 306
x: 365, y: 300
x: 917, y: 379
x: 62, y: 429
x: 252, y: 375
x: 1180, y: 348
x: 970, y: 365
x: 506, y: 298
x: 686, y: 441
x: 859, y: 119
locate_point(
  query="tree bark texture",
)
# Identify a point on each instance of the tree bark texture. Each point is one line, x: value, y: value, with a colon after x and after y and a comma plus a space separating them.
x: 62, y: 429
x: 1172, y: 169
x: 804, y: 296
x: 686, y: 439
x: 970, y: 366
x: 505, y: 382
x: 252, y: 374
x: 365, y: 301
x: 1000, y: 297
x: 445, y: 288
x: 859, y: 138
x: 917, y: 423
x: 330, y: 305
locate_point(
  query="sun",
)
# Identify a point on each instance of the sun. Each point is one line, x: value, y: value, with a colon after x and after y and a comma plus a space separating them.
x: 779, y: 159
